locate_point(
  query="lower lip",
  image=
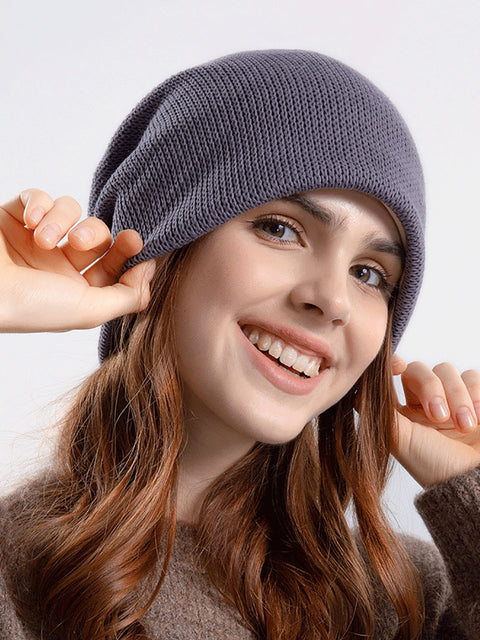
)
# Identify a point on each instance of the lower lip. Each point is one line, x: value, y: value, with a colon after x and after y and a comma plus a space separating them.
x: 278, y: 377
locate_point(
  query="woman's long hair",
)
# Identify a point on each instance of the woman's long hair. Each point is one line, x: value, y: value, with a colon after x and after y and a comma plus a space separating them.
x: 272, y: 531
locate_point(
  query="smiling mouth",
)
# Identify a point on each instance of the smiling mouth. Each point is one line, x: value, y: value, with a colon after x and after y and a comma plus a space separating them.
x: 290, y: 370
x: 283, y: 367
x: 283, y: 354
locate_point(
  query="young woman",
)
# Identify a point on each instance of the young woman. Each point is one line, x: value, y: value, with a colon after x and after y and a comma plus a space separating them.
x: 245, y: 397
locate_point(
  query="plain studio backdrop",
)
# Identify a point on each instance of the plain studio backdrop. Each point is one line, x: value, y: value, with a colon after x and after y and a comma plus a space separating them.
x: 70, y: 73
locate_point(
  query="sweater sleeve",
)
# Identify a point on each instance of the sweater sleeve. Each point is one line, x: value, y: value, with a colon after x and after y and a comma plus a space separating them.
x: 451, y: 512
x: 10, y: 625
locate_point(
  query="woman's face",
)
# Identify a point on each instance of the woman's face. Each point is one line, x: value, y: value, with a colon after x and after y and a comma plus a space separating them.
x: 309, y: 289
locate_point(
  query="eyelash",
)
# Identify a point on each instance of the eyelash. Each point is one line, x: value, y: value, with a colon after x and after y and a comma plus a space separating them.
x: 384, y: 285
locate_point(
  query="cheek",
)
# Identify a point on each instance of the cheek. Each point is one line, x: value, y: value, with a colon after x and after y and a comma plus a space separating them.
x: 368, y: 334
x: 209, y: 294
x: 226, y: 276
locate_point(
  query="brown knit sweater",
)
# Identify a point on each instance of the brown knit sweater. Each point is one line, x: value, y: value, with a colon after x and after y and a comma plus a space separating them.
x: 189, y: 608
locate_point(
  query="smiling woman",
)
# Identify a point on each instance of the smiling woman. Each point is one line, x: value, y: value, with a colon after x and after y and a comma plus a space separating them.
x: 293, y: 278
x: 267, y: 216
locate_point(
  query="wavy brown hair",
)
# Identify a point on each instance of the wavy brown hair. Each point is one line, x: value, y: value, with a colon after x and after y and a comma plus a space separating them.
x: 272, y: 530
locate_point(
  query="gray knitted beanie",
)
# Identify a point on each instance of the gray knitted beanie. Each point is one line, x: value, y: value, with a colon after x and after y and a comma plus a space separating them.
x: 216, y: 140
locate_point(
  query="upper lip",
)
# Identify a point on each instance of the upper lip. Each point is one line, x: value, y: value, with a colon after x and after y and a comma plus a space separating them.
x: 308, y: 344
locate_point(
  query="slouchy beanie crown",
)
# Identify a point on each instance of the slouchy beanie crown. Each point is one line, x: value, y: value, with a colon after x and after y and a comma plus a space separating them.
x: 218, y: 139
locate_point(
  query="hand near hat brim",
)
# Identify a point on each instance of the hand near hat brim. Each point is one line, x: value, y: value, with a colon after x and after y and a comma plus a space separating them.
x: 42, y: 287
x: 438, y: 429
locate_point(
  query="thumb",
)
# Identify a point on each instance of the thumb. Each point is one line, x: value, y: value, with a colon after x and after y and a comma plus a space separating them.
x: 398, y: 364
x: 138, y: 278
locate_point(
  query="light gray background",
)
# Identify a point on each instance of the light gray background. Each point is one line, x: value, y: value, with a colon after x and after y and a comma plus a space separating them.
x: 70, y: 72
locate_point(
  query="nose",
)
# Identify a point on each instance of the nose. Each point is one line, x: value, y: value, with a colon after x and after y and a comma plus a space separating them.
x: 325, y: 292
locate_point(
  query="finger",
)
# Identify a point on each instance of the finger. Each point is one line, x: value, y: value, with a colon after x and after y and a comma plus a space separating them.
x: 65, y: 212
x: 457, y: 396
x: 86, y: 242
x: 130, y: 295
x: 108, y: 269
x: 29, y: 206
x: 73, y: 304
x: 423, y: 387
x: 471, y: 379
x: 398, y: 364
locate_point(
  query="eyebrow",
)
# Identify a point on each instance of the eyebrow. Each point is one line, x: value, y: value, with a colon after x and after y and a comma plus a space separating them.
x: 335, y: 223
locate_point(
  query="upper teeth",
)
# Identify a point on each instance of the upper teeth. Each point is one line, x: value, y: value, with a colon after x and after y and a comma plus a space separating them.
x: 290, y: 357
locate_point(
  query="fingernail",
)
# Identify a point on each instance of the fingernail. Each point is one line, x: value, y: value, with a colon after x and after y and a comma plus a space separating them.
x: 51, y: 233
x: 438, y: 408
x: 36, y: 215
x: 83, y: 233
x: 465, y: 418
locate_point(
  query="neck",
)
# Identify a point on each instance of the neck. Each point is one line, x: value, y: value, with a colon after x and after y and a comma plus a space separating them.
x: 208, y: 451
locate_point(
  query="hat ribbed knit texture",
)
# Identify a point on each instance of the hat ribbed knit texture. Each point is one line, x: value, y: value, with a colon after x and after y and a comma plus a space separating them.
x: 216, y: 140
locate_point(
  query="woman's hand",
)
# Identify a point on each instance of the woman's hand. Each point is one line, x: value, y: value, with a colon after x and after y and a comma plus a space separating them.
x: 41, y: 287
x: 439, y: 426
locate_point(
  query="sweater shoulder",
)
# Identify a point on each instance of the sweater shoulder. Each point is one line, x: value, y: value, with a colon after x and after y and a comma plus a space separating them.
x: 12, y: 506
x: 434, y: 582
x: 430, y: 565
x: 422, y: 553
x: 12, y: 558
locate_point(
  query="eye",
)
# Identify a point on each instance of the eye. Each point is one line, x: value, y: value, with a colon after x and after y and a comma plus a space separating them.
x: 365, y: 274
x: 374, y: 277
x: 279, y: 229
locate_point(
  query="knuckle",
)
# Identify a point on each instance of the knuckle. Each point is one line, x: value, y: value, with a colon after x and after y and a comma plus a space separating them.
x: 432, y: 387
x: 100, y: 227
x: 111, y: 270
x: 70, y: 203
x: 457, y: 389
x: 416, y: 363
x: 417, y: 366
x: 411, y: 367
x: 475, y: 390
x: 471, y: 378
x: 445, y: 368
x: 125, y: 236
x: 415, y: 370
x: 34, y: 195
x: 25, y: 195
x: 471, y: 374
x: 29, y: 192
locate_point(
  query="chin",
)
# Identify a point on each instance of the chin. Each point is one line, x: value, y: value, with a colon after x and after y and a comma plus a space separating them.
x: 277, y: 434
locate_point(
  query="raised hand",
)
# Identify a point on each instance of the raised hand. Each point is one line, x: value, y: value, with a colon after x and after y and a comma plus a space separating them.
x: 439, y: 426
x: 42, y: 287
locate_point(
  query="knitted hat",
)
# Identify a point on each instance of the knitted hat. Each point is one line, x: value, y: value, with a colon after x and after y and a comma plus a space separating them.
x: 218, y: 139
